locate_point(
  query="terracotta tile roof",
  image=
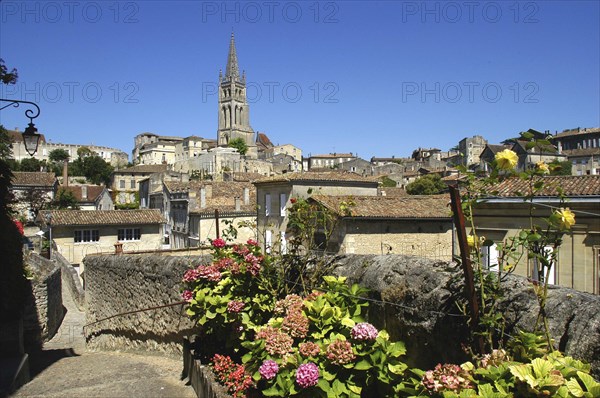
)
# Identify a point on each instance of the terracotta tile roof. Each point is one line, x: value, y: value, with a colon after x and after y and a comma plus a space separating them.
x: 325, y: 176
x: 551, y: 149
x: 103, y: 217
x: 392, y: 191
x: 223, y: 198
x: 569, y: 133
x: 588, y: 185
x: 497, y: 148
x: 178, y: 186
x: 17, y: 136
x: 38, y: 179
x: 582, y: 152
x: 143, y: 169
x: 395, y: 207
x: 93, y: 192
x: 262, y: 139
x: 250, y: 176
x: 334, y: 155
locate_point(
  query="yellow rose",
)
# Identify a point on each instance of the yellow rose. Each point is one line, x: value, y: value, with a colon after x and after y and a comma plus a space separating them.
x: 506, y: 159
x: 566, y: 218
x: 543, y: 167
x: 471, y: 241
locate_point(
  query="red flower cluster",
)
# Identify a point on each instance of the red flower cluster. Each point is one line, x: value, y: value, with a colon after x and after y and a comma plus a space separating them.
x: 219, y: 243
x: 232, y: 375
x: 277, y: 342
x: 19, y: 226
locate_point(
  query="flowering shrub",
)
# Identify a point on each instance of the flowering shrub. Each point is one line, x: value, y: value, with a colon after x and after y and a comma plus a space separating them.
x: 233, y: 376
x: 447, y: 377
x: 307, y: 375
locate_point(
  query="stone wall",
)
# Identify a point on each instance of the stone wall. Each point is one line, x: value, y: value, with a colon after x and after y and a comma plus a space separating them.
x: 420, y: 309
x: 419, y: 294
x: 70, y: 280
x: 118, y: 284
x: 43, y: 309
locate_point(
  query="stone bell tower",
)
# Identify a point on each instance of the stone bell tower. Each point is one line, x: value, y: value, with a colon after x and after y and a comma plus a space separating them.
x: 234, y: 118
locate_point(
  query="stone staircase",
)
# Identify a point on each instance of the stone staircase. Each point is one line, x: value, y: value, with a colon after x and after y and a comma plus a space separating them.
x: 65, y: 369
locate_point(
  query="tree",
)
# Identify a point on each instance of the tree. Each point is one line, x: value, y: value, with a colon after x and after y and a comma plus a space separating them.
x: 36, y: 199
x: 58, y: 155
x: 7, y: 77
x: 93, y: 167
x: 84, y: 151
x: 240, y: 145
x: 430, y: 184
x: 64, y: 199
x: 560, y: 168
x: 31, y: 164
x: 388, y: 182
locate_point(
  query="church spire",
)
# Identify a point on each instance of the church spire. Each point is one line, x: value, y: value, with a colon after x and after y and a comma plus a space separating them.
x: 232, y: 70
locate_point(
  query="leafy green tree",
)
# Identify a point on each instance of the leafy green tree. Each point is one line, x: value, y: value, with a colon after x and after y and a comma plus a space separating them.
x: 64, y: 199
x: 31, y: 164
x: 388, y: 182
x: 430, y: 184
x: 7, y: 77
x: 93, y: 167
x: 558, y: 168
x: 240, y: 145
x: 58, y: 155
x: 84, y: 151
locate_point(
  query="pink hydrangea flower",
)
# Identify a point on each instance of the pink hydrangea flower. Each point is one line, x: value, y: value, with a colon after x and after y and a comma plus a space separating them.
x: 187, y: 295
x: 235, y: 306
x: 252, y: 242
x: 307, y: 375
x: 218, y: 243
x: 364, y: 331
x: 277, y: 342
x: 209, y: 272
x: 268, y: 369
x: 191, y: 275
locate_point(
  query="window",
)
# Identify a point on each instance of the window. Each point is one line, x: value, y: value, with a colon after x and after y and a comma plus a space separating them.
x: 86, y: 235
x: 267, y: 204
x: 129, y: 234
x: 489, y: 257
x: 122, y: 184
x: 133, y: 184
x: 282, y: 203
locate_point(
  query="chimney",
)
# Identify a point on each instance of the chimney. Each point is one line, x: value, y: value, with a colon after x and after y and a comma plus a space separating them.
x: 202, y: 197
x: 237, y: 204
x: 246, y: 196
x: 66, y: 173
x: 84, y: 192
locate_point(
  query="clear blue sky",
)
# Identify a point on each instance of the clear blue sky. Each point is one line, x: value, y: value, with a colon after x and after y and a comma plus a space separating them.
x: 376, y: 78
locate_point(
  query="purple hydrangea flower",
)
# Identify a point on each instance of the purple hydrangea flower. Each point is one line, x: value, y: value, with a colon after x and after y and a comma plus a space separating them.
x: 307, y: 375
x: 364, y: 331
x: 268, y: 369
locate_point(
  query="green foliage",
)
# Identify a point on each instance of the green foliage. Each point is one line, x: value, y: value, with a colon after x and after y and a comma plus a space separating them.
x: 388, y: 182
x: 5, y: 144
x: 558, y: 168
x: 58, y: 155
x: 429, y: 184
x: 239, y: 144
x: 7, y: 77
x: 92, y: 167
x: 84, y: 151
x: 31, y: 164
x: 64, y: 199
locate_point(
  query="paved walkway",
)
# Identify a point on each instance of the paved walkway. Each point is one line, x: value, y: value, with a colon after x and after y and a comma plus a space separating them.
x: 65, y: 369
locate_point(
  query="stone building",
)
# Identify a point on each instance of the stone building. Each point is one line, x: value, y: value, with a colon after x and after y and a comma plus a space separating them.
x: 32, y: 190
x: 78, y: 233
x: 504, y: 215
x: 124, y: 183
x: 234, y: 117
x: 115, y: 157
x: 579, y: 138
x: 91, y: 197
x: 325, y: 161
x: 470, y: 149
x: 273, y: 196
x: 411, y: 225
x: 584, y: 161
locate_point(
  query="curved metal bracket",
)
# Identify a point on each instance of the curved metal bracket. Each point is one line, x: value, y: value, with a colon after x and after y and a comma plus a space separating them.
x: 30, y: 113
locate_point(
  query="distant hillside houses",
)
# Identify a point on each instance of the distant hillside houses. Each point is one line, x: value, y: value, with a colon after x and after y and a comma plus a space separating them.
x: 114, y: 156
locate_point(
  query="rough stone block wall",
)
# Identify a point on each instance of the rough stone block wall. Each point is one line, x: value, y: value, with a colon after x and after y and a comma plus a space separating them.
x: 419, y: 298
x: 43, y: 309
x: 70, y: 280
x: 420, y: 308
x: 118, y: 284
